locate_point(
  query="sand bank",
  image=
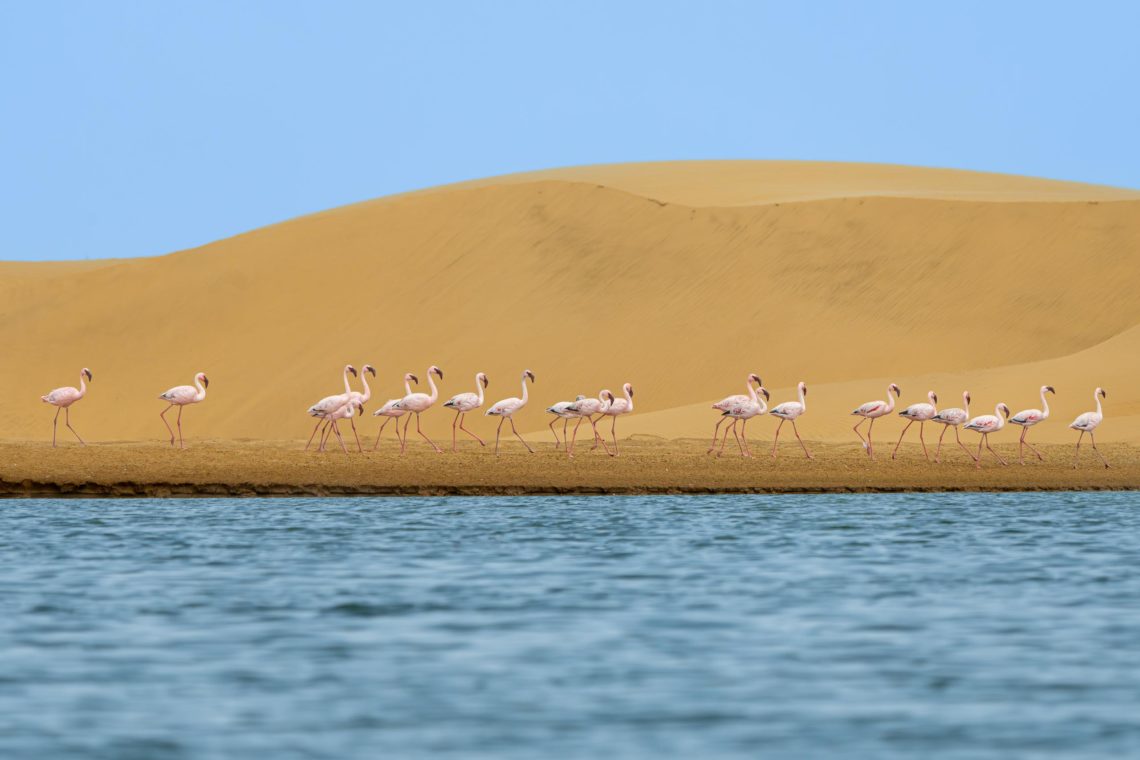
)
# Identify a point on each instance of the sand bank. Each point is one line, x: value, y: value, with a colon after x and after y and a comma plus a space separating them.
x: 227, y: 468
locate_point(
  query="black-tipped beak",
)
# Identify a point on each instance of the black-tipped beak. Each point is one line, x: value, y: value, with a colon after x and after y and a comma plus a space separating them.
x: 415, y: 379
x: 935, y: 397
x: 766, y: 394
x: 353, y: 371
x: 371, y: 370
x: 205, y: 382
x: 486, y: 382
x: 89, y: 375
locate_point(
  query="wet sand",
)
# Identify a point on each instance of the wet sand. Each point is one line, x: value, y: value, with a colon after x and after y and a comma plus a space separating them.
x: 261, y: 468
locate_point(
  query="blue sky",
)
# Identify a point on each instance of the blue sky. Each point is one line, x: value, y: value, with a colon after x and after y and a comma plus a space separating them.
x: 139, y: 128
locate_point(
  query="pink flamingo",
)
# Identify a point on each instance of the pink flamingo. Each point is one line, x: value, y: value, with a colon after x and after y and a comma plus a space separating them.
x: 731, y: 402
x: 418, y: 403
x: 391, y: 411
x: 872, y: 411
x: 561, y: 410
x: 346, y: 412
x: 361, y: 399
x: 1027, y: 418
x: 506, y: 409
x: 180, y: 396
x: 986, y: 424
x: 616, y: 408
x: 585, y: 409
x: 464, y: 403
x: 742, y: 414
x: 63, y: 398
x: 330, y: 404
x: 1087, y: 423
x: 789, y: 411
x: 952, y: 418
x: 919, y: 413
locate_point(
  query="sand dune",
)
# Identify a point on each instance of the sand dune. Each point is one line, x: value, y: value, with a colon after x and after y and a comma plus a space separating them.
x: 680, y: 278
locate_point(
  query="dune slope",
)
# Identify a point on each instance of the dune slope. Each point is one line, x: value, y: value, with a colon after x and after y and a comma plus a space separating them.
x: 590, y: 285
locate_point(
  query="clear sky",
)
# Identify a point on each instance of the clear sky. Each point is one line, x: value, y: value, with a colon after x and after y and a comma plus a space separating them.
x: 139, y: 128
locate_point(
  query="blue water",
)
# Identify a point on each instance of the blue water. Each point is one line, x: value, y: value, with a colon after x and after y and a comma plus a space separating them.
x: 946, y: 625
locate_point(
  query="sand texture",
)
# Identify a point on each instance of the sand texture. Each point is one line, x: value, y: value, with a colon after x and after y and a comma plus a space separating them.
x: 680, y: 278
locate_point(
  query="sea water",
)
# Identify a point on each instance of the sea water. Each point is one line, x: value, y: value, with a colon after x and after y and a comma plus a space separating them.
x: 933, y: 625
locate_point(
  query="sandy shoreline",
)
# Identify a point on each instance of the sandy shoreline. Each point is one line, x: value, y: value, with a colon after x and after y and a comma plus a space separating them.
x: 228, y: 468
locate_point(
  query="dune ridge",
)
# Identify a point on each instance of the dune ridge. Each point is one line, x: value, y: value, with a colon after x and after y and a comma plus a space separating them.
x: 594, y: 276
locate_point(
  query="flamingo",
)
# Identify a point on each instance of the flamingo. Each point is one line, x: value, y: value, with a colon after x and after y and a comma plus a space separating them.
x: 506, y: 410
x: 616, y: 408
x: 986, y: 424
x: 1087, y: 423
x: 872, y: 411
x: 561, y: 410
x: 418, y: 403
x: 330, y: 404
x: 586, y: 408
x: 180, y: 396
x: 464, y: 403
x: 346, y: 412
x: 742, y: 414
x: 63, y: 398
x: 789, y: 411
x: 730, y: 402
x: 390, y: 411
x: 361, y: 399
x: 952, y: 418
x: 1027, y: 419
x: 919, y: 413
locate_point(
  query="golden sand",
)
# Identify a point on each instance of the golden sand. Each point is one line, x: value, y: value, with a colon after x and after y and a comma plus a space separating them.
x: 680, y: 278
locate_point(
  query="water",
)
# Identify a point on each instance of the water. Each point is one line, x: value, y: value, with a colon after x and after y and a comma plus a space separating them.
x: 948, y: 625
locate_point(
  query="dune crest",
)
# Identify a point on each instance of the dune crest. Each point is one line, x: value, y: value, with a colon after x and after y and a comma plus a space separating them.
x: 591, y: 286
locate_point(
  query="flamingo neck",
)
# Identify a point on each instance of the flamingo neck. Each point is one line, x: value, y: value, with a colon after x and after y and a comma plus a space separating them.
x: 524, y: 396
x: 933, y: 403
x: 479, y: 389
x: 407, y: 386
x: 629, y: 398
x: 890, y: 400
x: 347, y: 387
x: 763, y: 404
x: 1098, y: 409
x: 434, y: 391
x: 803, y: 399
x: 82, y: 385
x: 1000, y: 418
x: 1044, y: 406
x: 364, y: 397
x: 751, y: 391
x: 201, y: 389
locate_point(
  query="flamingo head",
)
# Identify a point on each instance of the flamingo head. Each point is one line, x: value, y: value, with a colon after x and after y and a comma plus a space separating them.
x: 359, y: 407
x: 436, y: 370
x: 754, y: 378
x: 933, y: 397
x: 764, y: 393
x: 1048, y: 389
x: 350, y: 369
x: 86, y: 372
x: 628, y: 390
x: 1100, y: 392
x: 527, y: 373
x: 895, y: 389
x: 966, y: 396
x: 201, y: 377
x: 411, y: 377
x: 482, y: 379
x: 369, y: 368
x: 606, y: 395
x: 803, y: 387
x: 1004, y: 410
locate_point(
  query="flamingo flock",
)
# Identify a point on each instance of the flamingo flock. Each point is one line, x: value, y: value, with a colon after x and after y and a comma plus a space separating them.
x: 735, y: 411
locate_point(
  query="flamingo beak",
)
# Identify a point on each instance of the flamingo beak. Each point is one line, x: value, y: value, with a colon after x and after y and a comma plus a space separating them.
x: 89, y: 375
x: 415, y: 379
x: 371, y: 369
x: 352, y: 370
x: 205, y: 382
x: 766, y: 394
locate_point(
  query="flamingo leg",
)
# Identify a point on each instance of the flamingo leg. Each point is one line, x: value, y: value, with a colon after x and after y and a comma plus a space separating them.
x: 181, y: 445
x: 1102, y: 459
x: 1032, y: 447
x: 314, y: 435
x: 336, y: 430
x: 326, y: 433
x: 465, y: 430
x: 384, y: 425
x: 67, y: 421
x: 359, y: 448
x: 613, y: 432
x: 938, y: 451
x: 516, y: 432
x: 744, y: 437
x: 565, y: 424
x: 454, y: 422
x: 991, y: 449
x: 922, y: 440
x: 978, y: 458
x: 498, y: 430
x: 716, y: 430
x: 169, y: 429
x: 598, y: 437
x: 801, y: 440
x: 557, y: 443
x: 870, y: 446
x: 404, y: 441
x: 894, y: 454
x: 735, y: 435
x: 570, y: 448
x: 724, y: 438
x: 54, y: 423
x: 1021, y: 447
x: 1077, y: 458
x: 856, y: 429
x: 776, y: 439
x: 424, y: 435
x: 958, y: 438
